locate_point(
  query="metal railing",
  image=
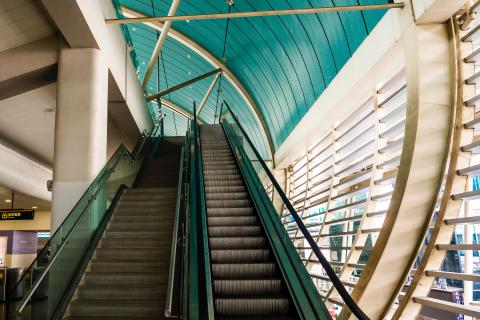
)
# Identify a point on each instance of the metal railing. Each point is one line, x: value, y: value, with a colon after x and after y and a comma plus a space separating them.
x: 354, y: 308
x: 173, y: 255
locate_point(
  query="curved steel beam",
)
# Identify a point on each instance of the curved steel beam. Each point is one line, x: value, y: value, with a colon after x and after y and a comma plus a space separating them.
x: 422, y: 165
x: 210, y: 58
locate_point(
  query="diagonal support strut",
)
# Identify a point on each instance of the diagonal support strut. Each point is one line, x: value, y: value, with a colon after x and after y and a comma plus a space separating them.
x: 183, y: 84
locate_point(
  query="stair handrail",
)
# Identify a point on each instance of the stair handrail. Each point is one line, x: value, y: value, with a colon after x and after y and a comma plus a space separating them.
x: 104, y: 173
x: 351, y: 304
x: 173, y: 254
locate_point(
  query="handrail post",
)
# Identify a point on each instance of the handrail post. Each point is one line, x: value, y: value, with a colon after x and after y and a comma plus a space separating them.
x: 344, y: 294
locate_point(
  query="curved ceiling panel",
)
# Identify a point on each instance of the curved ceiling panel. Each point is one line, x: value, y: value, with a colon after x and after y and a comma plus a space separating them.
x: 284, y: 62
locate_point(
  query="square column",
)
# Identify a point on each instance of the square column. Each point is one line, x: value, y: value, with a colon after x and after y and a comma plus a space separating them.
x: 80, y: 127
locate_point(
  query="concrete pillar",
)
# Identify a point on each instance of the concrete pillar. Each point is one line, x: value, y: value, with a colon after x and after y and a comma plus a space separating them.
x: 80, y: 127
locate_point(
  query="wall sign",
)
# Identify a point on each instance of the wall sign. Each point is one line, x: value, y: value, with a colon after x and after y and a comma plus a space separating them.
x: 16, y: 214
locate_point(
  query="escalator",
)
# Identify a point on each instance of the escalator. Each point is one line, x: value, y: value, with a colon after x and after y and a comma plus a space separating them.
x: 246, y: 279
x: 247, y: 266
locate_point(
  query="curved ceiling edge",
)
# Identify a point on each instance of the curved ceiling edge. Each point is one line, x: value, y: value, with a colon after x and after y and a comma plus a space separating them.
x: 210, y: 58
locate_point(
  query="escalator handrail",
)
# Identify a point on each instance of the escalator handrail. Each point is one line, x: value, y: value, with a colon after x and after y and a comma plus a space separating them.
x: 102, y: 176
x: 203, y: 220
x: 351, y: 304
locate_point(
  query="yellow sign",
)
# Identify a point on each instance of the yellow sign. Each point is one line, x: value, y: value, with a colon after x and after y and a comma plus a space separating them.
x: 16, y: 214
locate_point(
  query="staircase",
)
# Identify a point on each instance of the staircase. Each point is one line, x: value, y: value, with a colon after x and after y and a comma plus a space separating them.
x: 247, y: 283
x: 127, y: 276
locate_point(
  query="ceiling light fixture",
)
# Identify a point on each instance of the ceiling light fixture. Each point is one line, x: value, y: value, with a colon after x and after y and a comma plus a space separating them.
x: 34, y: 207
x: 8, y: 200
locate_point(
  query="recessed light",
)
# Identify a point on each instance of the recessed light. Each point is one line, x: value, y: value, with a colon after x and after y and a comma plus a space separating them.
x: 188, y: 21
x: 8, y: 200
x: 188, y: 56
x: 34, y: 207
x: 143, y: 62
x: 134, y: 29
x: 189, y: 73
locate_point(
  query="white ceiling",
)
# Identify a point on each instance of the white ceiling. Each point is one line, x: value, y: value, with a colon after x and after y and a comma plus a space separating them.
x: 21, y: 201
x: 27, y: 122
x: 22, y: 22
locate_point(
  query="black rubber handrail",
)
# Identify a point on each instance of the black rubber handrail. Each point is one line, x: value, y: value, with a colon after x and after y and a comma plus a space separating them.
x: 354, y: 308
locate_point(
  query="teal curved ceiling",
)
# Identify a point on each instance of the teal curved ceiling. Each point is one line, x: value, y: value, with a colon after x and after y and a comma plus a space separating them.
x: 284, y: 62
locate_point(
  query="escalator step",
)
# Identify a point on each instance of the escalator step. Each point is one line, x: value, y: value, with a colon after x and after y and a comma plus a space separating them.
x: 227, y: 164
x: 252, y: 306
x: 242, y: 270
x: 228, y: 203
x: 215, y: 166
x: 227, y: 196
x: 217, y: 157
x: 232, y: 221
x: 224, y: 183
x: 225, y: 190
x: 238, y: 243
x: 220, y: 172
x: 235, y: 231
x: 240, y: 256
x: 242, y: 287
x: 224, y: 212
x: 222, y: 177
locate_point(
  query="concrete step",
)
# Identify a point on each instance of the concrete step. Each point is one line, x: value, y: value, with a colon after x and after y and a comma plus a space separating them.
x: 137, y: 243
x: 110, y: 278
x: 122, y: 292
x: 121, y: 309
x: 139, y: 224
x: 129, y: 265
x: 139, y: 216
x: 141, y: 254
x: 148, y: 190
x: 164, y: 211
x: 137, y: 234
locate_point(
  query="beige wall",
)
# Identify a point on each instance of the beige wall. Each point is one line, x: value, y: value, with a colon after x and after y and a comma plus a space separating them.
x: 115, y: 137
x: 19, y: 260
